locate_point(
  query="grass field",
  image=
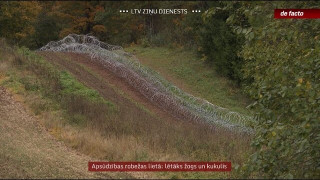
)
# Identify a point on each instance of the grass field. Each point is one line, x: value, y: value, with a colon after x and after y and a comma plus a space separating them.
x: 190, y: 73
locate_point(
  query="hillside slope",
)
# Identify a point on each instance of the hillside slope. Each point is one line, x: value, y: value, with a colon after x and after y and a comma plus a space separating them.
x: 28, y: 151
x: 134, y: 130
x: 187, y: 71
x: 158, y: 134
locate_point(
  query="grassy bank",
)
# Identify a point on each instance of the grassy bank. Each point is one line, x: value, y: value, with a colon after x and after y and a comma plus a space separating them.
x: 186, y: 70
x: 92, y: 124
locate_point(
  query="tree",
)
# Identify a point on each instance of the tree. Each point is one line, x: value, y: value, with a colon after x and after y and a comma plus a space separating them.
x: 121, y: 28
x: 219, y: 45
x: 17, y: 20
x: 46, y: 27
x: 76, y: 17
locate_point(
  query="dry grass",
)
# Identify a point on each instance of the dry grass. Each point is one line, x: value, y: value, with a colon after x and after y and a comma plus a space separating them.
x: 119, y: 134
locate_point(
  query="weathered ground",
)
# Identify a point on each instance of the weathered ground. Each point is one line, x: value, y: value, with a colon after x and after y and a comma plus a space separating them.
x: 29, y: 151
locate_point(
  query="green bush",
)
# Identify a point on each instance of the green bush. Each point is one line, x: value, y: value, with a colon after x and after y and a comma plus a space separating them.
x: 145, y: 42
x: 159, y: 39
x: 282, y: 71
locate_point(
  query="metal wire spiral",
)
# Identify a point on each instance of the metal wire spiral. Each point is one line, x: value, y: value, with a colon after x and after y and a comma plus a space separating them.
x: 151, y: 85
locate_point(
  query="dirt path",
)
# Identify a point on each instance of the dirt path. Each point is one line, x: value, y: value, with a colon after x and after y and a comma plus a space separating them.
x: 27, y: 150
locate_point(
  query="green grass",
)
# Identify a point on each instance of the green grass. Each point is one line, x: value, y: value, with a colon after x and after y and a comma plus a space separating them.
x: 71, y: 86
x: 191, y: 74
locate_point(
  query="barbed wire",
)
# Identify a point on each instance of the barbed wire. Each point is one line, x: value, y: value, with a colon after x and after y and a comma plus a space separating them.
x: 151, y: 84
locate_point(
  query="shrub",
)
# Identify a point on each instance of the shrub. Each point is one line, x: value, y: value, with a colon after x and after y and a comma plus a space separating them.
x: 282, y: 66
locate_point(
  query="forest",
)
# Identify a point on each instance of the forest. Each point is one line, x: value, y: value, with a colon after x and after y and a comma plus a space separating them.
x: 274, y: 62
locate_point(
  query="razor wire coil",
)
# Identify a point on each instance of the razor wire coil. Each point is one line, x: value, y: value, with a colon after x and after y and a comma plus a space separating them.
x: 150, y: 84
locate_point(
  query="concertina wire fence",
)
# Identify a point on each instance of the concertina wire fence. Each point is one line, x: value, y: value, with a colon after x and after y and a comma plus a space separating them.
x: 151, y: 85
